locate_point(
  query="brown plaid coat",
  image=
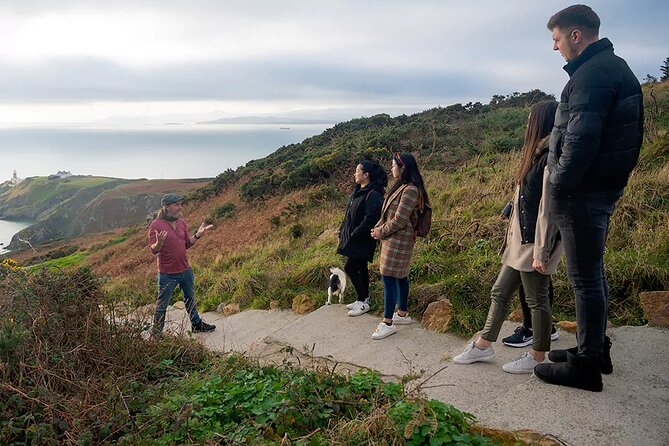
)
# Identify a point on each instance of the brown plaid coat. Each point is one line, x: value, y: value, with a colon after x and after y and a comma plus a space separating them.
x: 396, y: 231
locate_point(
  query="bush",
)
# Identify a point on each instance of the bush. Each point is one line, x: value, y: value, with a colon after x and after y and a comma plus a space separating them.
x: 222, y: 212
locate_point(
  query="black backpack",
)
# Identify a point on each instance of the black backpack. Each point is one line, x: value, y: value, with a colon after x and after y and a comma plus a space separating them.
x: 423, y: 220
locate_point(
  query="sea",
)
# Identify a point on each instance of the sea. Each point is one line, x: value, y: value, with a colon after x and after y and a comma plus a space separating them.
x: 7, y: 231
x: 151, y: 151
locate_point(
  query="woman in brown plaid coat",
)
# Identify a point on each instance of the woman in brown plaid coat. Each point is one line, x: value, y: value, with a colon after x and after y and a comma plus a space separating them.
x: 396, y: 231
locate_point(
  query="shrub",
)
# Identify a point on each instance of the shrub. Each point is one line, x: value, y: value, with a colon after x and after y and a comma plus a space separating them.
x: 222, y: 212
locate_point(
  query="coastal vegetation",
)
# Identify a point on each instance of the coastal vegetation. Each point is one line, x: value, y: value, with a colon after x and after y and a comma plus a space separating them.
x: 278, y: 217
x: 73, y: 370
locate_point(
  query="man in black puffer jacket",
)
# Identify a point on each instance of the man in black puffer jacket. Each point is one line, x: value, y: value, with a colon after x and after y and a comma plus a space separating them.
x: 593, y: 148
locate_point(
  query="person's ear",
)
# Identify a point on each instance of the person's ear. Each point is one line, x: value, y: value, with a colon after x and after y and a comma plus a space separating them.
x: 576, y: 35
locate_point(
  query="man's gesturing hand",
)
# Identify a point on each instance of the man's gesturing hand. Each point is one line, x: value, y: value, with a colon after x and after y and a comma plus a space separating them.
x: 160, y: 236
x: 201, y: 229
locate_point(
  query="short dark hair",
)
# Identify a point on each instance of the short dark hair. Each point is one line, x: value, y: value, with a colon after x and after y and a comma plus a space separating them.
x: 575, y: 16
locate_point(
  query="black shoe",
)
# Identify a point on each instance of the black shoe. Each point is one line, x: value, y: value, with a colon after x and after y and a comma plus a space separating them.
x: 606, y: 365
x: 522, y: 337
x: 581, y: 372
x: 203, y: 327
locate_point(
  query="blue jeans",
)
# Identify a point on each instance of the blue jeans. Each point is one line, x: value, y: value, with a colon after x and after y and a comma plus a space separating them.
x: 395, y: 292
x: 166, y: 285
x: 583, y: 221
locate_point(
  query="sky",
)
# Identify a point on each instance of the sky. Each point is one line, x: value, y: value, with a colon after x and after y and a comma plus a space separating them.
x: 122, y: 61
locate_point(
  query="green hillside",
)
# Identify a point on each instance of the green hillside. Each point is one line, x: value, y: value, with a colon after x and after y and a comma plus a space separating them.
x: 68, y: 207
x: 277, y: 218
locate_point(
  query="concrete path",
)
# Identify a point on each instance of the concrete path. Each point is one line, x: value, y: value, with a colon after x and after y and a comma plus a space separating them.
x: 633, y: 409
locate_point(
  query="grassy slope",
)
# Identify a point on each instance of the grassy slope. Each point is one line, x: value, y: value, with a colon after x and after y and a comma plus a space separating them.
x: 254, y: 256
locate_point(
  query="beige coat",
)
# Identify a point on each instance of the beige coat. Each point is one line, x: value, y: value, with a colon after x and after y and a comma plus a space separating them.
x: 396, y: 231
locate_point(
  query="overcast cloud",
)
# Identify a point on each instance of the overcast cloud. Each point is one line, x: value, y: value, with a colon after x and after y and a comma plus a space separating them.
x: 94, y: 59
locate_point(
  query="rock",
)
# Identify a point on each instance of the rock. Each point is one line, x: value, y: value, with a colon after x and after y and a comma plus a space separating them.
x: 438, y: 315
x: 302, y: 304
x: 274, y: 305
x: 516, y: 316
x: 180, y: 305
x: 570, y: 327
x: 519, y: 437
x: 230, y: 309
x: 655, y: 305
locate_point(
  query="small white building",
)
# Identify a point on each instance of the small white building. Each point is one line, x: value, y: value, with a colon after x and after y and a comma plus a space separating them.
x: 14, y: 180
x: 64, y: 174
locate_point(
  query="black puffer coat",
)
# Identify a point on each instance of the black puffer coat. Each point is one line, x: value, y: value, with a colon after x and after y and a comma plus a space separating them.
x: 598, y: 128
x: 362, y: 213
x: 530, y: 197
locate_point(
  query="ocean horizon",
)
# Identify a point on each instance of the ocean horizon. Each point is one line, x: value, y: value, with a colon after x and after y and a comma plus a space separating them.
x: 154, y: 151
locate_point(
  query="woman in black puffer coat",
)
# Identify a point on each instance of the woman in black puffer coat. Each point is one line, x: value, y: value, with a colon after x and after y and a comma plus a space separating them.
x: 355, y: 240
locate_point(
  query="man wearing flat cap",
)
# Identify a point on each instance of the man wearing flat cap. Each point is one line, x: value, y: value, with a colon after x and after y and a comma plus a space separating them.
x: 169, y: 239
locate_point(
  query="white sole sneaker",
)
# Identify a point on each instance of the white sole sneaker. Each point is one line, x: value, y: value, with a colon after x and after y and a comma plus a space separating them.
x: 555, y: 336
x: 359, y: 309
x: 383, y: 331
x: 523, y: 365
x: 474, y: 354
x: 402, y: 320
x: 352, y: 304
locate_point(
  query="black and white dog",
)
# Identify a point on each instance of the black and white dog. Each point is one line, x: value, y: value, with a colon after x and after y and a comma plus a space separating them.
x: 337, y: 284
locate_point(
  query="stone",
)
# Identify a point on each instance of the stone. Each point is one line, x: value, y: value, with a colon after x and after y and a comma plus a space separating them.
x: 568, y: 326
x: 228, y: 309
x: 516, y: 316
x: 655, y: 305
x: 180, y: 305
x: 274, y: 305
x: 438, y: 316
x: 519, y: 437
x: 302, y: 304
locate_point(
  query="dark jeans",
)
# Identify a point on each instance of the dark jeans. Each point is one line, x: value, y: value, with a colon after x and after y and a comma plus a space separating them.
x: 395, y: 292
x: 583, y: 221
x: 357, y: 271
x: 527, y: 313
x: 166, y: 285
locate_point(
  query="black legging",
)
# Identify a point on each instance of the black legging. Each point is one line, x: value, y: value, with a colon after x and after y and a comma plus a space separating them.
x: 357, y: 270
x: 527, y: 314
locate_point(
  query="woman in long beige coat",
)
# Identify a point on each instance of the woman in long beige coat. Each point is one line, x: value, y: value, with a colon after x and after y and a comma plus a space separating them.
x: 396, y: 232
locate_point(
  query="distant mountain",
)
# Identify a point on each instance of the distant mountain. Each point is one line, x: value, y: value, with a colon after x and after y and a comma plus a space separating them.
x: 273, y: 120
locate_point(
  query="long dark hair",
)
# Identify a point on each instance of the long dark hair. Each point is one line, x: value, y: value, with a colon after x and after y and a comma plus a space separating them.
x: 410, y: 175
x: 539, y: 126
x: 378, y: 178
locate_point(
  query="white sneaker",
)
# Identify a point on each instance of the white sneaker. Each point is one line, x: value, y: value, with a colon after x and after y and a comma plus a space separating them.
x: 383, y: 331
x: 474, y: 354
x: 522, y: 364
x: 352, y: 304
x: 359, y: 308
x: 402, y: 320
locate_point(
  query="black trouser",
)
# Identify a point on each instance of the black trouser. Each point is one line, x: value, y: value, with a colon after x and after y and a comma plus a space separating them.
x: 583, y: 221
x: 357, y: 271
x: 527, y: 313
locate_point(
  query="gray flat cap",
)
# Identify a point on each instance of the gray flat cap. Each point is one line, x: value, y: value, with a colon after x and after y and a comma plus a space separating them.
x: 171, y: 199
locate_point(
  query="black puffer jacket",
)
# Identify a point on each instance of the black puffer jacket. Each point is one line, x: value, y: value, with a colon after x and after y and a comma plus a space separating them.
x: 529, y: 197
x: 362, y: 213
x: 598, y: 125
